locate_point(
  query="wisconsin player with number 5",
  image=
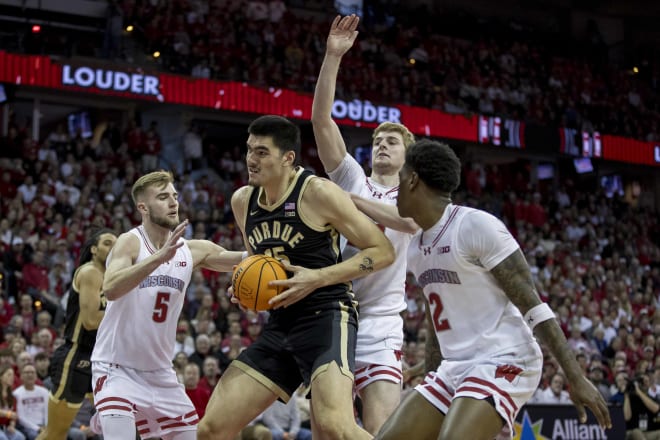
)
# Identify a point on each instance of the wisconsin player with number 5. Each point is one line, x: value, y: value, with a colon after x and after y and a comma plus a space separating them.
x: 70, y: 366
x: 483, y: 306
x: 290, y: 214
x: 381, y: 296
x: 145, y: 282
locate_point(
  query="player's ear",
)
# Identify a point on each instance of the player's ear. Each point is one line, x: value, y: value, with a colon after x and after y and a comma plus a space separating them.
x: 288, y: 158
x: 413, y: 180
x: 141, y: 207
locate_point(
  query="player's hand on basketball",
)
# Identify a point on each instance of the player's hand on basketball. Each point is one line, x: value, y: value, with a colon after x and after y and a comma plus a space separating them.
x: 234, y: 300
x: 584, y: 393
x: 303, y: 282
x: 170, y: 247
x: 342, y: 34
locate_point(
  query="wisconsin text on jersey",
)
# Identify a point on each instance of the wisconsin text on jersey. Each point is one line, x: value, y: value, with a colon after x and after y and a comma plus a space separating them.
x: 274, y: 230
x: 163, y: 280
x: 438, y: 276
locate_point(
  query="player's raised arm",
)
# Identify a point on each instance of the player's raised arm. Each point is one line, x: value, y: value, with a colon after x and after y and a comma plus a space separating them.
x: 330, y: 144
x: 329, y: 205
x: 385, y: 215
x: 516, y: 280
x: 122, y: 275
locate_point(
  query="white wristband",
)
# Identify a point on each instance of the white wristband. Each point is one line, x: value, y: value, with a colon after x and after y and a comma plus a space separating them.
x: 244, y: 255
x: 538, y: 314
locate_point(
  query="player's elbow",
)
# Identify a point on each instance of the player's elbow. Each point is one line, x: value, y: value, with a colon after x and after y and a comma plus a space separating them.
x: 386, y: 254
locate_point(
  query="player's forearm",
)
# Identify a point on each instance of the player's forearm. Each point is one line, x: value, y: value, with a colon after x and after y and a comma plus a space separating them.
x: 432, y: 353
x: 223, y: 261
x: 365, y: 262
x: 550, y: 334
x: 119, y: 283
x: 385, y: 215
x: 324, y: 93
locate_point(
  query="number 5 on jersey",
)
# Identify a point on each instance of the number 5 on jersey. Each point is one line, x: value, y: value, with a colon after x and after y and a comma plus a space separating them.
x: 160, y: 307
x: 435, y: 303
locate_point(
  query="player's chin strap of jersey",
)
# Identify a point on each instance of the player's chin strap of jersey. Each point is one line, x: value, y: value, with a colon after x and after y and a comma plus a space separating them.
x: 538, y: 314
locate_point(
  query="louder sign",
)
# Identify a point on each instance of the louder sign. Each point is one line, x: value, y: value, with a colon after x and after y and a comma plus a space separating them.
x: 106, y: 79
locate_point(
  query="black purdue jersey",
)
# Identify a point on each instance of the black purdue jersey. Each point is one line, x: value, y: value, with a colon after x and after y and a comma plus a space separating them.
x: 74, y: 332
x: 280, y: 230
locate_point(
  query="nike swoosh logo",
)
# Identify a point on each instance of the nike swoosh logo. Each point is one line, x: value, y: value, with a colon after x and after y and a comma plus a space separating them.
x: 254, y: 212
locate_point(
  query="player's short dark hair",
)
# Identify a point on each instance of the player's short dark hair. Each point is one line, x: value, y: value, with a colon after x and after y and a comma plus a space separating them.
x: 436, y: 164
x: 285, y: 134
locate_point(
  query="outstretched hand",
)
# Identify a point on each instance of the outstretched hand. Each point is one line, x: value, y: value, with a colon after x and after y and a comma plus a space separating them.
x: 303, y: 282
x: 168, y: 251
x: 342, y: 34
x: 584, y: 393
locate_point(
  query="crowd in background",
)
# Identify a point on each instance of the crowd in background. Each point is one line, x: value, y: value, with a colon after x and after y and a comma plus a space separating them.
x: 418, y: 57
x: 595, y: 259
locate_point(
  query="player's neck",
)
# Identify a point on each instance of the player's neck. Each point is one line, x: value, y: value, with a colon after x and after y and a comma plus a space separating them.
x: 158, y: 235
x: 273, y: 193
x: 391, y: 180
x: 434, y: 209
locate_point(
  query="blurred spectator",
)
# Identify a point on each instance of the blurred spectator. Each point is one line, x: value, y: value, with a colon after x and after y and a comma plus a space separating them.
x: 198, y: 395
x: 283, y: 420
x: 31, y: 403
x: 640, y: 410
x: 211, y: 370
x: 8, y: 415
x: 555, y: 394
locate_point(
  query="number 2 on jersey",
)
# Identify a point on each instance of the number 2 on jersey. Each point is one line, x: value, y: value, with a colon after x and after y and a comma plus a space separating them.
x: 160, y: 306
x: 436, y: 310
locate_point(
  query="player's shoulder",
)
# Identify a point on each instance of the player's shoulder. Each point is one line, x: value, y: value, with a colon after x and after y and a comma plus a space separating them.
x: 89, y: 269
x: 242, y: 194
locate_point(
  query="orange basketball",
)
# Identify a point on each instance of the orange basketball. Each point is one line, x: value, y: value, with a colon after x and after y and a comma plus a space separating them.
x: 250, y: 281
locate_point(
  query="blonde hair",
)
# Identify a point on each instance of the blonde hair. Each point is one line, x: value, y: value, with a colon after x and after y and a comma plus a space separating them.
x: 160, y: 178
x: 408, y: 137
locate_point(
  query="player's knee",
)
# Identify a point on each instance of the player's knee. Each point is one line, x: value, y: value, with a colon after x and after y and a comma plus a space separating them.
x: 208, y: 431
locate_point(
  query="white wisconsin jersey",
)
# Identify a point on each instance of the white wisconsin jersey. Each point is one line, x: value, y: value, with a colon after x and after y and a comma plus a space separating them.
x: 383, y: 292
x: 472, y: 316
x: 139, y: 329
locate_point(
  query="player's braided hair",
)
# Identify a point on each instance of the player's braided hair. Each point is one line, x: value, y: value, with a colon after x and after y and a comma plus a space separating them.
x: 93, y: 240
x: 436, y: 164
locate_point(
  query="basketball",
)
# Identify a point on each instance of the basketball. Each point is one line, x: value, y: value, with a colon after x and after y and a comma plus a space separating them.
x: 250, y: 281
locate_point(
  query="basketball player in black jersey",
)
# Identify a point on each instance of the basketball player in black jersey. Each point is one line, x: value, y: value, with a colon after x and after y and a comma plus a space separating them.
x: 70, y: 366
x: 292, y: 215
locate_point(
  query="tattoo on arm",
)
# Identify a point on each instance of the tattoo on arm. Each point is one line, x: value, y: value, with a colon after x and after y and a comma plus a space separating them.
x: 515, y: 279
x: 367, y: 265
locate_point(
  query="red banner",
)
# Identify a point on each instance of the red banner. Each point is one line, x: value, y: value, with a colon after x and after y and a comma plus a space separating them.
x: 630, y: 150
x: 105, y: 79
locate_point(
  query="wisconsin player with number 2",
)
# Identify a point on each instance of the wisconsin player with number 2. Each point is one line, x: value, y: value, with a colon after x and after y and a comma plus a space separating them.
x: 483, y: 307
x: 145, y: 283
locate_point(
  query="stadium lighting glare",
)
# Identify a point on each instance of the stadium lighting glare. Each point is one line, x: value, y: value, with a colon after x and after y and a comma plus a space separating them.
x: 129, y: 28
x: 36, y: 28
x: 156, y: 54
x: 635, y: 69
x: 412, y: 61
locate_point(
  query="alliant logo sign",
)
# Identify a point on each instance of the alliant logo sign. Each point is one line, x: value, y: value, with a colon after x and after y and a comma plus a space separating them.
x: 106, y: 79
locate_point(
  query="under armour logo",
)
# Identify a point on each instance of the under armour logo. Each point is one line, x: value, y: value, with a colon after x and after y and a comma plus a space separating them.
x: 377, y: 195
x: 530, y: 319
x: 427, y: 250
